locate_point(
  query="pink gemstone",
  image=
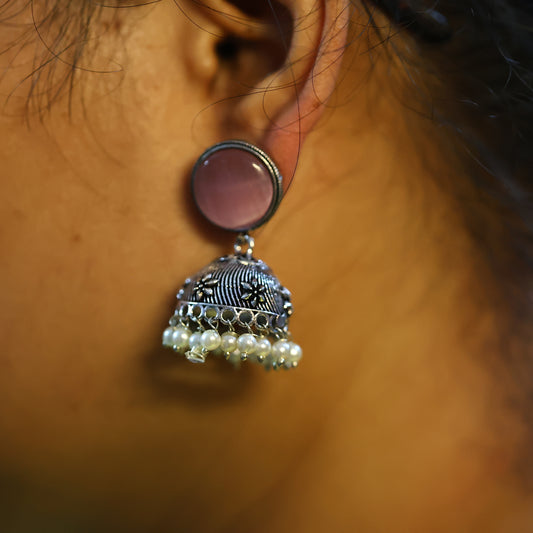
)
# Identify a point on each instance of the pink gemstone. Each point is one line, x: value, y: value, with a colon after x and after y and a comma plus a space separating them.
x: 233, y: 189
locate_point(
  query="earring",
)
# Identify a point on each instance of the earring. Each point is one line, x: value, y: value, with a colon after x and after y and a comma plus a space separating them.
x: 235, y: 307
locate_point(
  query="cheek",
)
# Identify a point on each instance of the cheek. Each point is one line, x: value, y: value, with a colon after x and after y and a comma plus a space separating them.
x: 88, y: 273
x: 96, y: 234
x: 94, y: 212
x: 92, y: 224
x: 92, y: 409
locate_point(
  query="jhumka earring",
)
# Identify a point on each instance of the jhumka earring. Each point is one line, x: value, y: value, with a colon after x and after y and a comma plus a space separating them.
x: 235, y: 307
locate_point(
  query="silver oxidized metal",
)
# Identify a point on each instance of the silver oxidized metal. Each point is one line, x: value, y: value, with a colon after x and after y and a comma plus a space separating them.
x: 234, y: 307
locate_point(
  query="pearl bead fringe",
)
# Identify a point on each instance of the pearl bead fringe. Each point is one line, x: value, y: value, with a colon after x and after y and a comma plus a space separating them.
x: 196, y: 346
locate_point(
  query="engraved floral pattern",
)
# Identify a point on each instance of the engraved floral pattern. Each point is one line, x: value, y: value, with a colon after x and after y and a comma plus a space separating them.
x: 205, y: 286
x: 253, y: 292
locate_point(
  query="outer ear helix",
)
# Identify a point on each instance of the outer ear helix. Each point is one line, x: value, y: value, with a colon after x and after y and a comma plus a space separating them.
x: 290, y: 127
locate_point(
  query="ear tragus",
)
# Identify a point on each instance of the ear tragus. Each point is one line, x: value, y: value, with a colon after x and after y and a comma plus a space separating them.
x: 252, y: 40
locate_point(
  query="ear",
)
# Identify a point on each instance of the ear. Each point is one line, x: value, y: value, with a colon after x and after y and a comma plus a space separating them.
x: 271, y: 66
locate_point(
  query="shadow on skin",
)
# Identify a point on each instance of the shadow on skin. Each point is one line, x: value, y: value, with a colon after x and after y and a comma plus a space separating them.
x: 169, y: 375
x: 172, y: 377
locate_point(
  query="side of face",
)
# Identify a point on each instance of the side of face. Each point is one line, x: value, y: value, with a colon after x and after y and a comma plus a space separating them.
x: 102, y: 428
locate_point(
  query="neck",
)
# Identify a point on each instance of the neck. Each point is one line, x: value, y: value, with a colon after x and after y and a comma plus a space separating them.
x: 381, y: 241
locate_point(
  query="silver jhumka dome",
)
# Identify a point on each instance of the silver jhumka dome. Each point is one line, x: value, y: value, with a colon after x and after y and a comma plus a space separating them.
x: 236, y: 308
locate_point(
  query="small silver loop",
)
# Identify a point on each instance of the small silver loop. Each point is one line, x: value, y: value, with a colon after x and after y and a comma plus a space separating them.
x: 244, y: 245
x: 213, y: 323
x: 199, y: 322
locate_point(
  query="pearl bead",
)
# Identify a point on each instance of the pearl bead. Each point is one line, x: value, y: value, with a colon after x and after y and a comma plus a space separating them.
x: 295, y: 352
x: 210, y: 339
x: 263, y: 347
x: 280, y: 351
x: 195, y: 339
x: 180, y: 337
x: 167, y: 337
x: 247, y: 343
x: 228, y: 342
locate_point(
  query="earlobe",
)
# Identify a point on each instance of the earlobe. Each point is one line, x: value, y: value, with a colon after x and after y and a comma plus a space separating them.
x: 201, y: 62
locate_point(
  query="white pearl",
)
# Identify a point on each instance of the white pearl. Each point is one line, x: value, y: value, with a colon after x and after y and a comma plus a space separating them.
x: 295, y: 352
x: 180, y: 337
x: 228, y: 342
x: 280, y: 351
x: 210, y: 339
x: 195, y: 339
x: 167, y: 337
x: 247, y: 343
x: 263, y: 347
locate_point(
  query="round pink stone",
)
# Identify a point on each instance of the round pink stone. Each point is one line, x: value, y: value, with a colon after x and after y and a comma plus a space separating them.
x: 233, y: 189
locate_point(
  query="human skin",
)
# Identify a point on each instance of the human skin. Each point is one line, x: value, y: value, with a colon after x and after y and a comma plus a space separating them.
x: 396, y: 418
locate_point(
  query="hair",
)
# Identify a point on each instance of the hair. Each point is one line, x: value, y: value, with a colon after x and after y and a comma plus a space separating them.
x: 481, y: 53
